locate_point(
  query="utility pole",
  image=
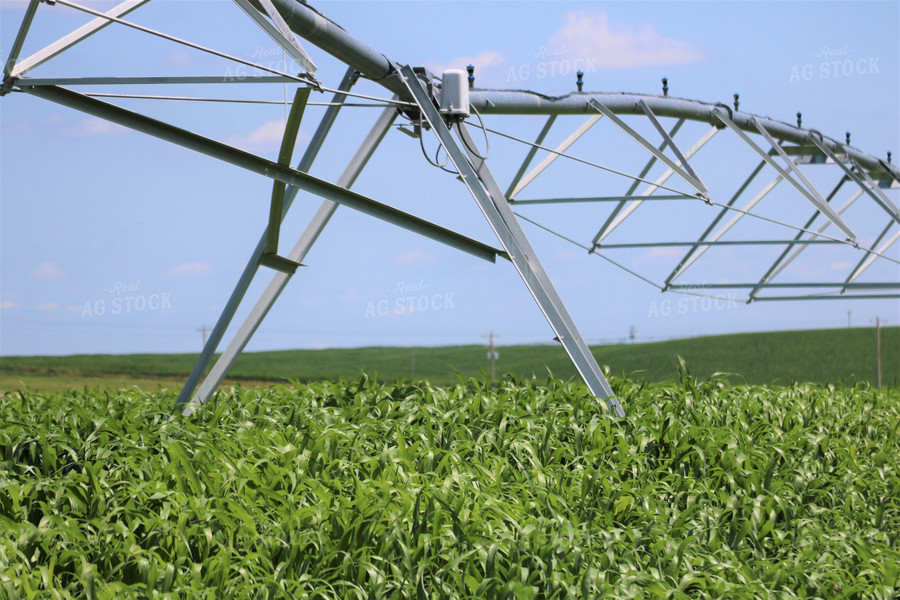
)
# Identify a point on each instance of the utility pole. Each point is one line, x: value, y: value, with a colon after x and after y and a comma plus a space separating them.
x: 492, y: 355
x: 631, y: 334
x: 204, y: 330
x: 848, y: 318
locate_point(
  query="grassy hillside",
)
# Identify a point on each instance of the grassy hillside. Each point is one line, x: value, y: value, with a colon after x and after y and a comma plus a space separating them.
x: 821, y: 356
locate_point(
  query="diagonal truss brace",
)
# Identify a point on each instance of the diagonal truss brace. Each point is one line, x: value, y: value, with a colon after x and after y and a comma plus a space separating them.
x: 615, y: 219
x: 18, y: 43
x: 695, y: 253
x: 681, y: 158
x: 530, y: 156
x: 279, y: 280
x: 869, y: 259
x: 280, y: 33
x: 252, y: 266
x: 542, y: 166
x: 79, y: 35
x: 495, y: 207
x: 686, y: 173
x: 791, y: 252
x: 819, y: 203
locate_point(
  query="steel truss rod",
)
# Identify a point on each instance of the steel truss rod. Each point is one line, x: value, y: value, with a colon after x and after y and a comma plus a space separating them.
x: 246, y: 278
x: 886, y: 285
x: 77, y: 36
x: 550, y: 158
x: 634, y: 184
x: 880, y: 197
x: 713, y: 223
x: 816, y: 200
x: 681, y: 169
x: 265, y: 167
x: 581, y: 160
x: 588, y: 249
x: 868, y: 260
x: 831, y: 297
x: 230, y: 100
x: 782, y: 262
x: 478, y: 178
x: 682, y: 161
x: 701, y: 250
x: 154, y: 80
x: 280, y: 33
x: 622, y: 199
x: 716, y: 243
x: 305, y: 80
x: 794, y: 227
x: 77, y: 81
x: 871, y: 189
x: 20, y: 39
x: 819, y: 201
x: 297, y: 254
x: 612, y: 223
x: 530, y: 156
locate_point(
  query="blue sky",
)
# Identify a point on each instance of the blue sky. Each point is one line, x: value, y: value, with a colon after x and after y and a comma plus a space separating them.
x: 115, y: 242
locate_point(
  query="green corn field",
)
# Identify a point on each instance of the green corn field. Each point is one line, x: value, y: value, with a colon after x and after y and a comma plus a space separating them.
x: 357, y: 489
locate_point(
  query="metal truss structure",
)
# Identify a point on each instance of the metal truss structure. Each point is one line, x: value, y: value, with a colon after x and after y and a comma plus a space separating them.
x: 419, y: 99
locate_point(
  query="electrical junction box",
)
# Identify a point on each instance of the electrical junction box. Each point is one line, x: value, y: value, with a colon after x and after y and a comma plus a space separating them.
x: 455, y: 93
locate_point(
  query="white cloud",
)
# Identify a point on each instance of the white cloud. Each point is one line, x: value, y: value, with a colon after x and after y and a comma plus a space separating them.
x: 48, y: 270
x: 570, y: 254
x: 95, y: 127
x: 841, y: 265
x: 192, y: 270
x: 9, y: 305
x: 47, y: 306
x: 658, y: 253
x: 180, y: 58
x: 613, y: 45
x: 267, y: 136
x: 415, y: 257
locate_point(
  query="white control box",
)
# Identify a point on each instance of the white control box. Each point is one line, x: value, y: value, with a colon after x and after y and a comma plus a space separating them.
x: 455, y: 93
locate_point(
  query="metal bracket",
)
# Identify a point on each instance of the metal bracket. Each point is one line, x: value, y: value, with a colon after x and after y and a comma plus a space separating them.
x: 279, y: 263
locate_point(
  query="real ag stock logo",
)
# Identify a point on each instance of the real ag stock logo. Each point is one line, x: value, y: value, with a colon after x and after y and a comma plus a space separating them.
x: 126, y: 298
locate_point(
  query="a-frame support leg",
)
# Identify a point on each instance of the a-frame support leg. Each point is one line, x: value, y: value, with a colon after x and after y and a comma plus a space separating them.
x: 478, y: 178
x: 280, y: 280
x: 237, y: 295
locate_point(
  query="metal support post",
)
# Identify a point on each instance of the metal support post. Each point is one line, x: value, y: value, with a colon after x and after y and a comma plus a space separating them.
x: 280, y: 280
x: 495, y: 207
x: 234, y: 301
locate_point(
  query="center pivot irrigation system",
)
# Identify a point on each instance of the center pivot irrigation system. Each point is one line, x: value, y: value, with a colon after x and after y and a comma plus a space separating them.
x: 441, y: 107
